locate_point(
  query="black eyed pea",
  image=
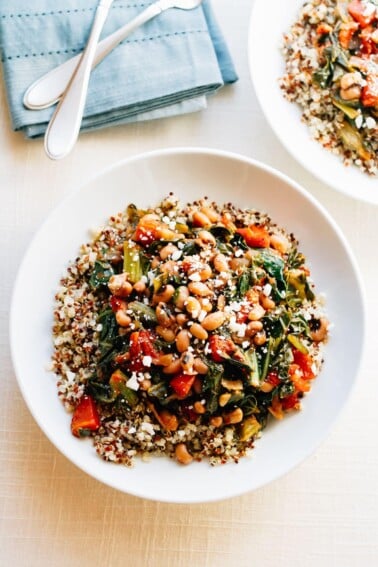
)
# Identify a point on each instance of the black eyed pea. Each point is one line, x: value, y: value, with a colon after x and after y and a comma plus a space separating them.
x: 205, y: 238
x: 167, y: 251
x: 199, y: 408
x: 140, y: 286
x: 260, y: 338
x: 200, y: 366
x: 220, y: 263
x: 238, y: 263
x: 182, y: 454
x: 164, y: 316
x: 213, y: 321
x: 224, y: 399
x: 168, y: 335
x: 232, y: 385
x: 211, y: 214
x: 321, y: 332
x: 187, y: 362
x: 216, y: 421
x: 164, y: 295
x: 350, y: 86
x: 221, y: 303
x: 256, y: 313
x: 279, y: 243
x: 122, y: 318
x: 181, y: 296
x: 205, y: 273
x: 165, y: 359
x: 193, y: 307
x: 200, y: 289
x: 173, y: 368
x: 206, y: 304
x: 150, y: 217
x: 198, y: 332
x: 201, y: 220
x: 233, y: 417
x: 253, y: 327
x: 182, y: 319
x: 119, y: 285
x: 266, y: 302
x: 182, y: 341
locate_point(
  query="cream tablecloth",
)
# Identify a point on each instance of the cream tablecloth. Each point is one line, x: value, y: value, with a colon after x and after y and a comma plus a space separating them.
x: 325, y: 512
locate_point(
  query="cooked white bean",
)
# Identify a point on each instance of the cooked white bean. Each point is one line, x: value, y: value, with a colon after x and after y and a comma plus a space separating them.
x: 198, y: 331
x: 183, y: 340
x: 182, y: 454
x: 213, y: 321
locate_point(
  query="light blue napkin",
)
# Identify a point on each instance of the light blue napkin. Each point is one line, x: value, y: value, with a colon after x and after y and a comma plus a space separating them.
x: 165, y: 67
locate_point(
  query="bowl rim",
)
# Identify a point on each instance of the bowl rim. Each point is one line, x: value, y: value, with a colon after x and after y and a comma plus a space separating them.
x: 172, y: 152
x: 372, y: 198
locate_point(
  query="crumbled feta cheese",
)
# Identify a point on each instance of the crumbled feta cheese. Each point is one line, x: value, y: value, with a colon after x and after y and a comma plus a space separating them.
x: 147, y: 361
x: 131, y: 430
x: 176, y: 255
x: 370, y: 123
x: 235, y: 306
x: 358, y: 121
x: 238, y: 328
x: 70, y: 376
x: 132, y: 382
x: 195, y: 277
x: 238, y: 253
x: 207, y: 349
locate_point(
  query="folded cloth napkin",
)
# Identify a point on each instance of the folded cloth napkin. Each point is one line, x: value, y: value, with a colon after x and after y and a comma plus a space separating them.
x: 165, y: 67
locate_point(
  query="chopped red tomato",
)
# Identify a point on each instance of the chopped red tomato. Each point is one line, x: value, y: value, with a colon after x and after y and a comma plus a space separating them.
x: 273, y: 378
x: 346, y: 33
x: 220, y: 347
x: 116, y: 303
x: 141, y: 344
x: 323, y: 29
x: 297, y: 378
x: 305, y: 363
x: 188, y: 412
x: 290, y: 402
x: 361, y: 13
x: 145, y: 235
x: 242, y: 314
x: 181, y: 384
x: 368, y: 45
x: 85, y: 417
x: 369, y: 95
x: 255, y: 236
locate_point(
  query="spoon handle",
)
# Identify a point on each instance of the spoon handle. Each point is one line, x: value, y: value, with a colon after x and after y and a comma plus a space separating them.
x: 47, y: 90
x: 64, y: 126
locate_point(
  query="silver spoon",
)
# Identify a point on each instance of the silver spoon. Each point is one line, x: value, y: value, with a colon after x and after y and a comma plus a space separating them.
x: 64, y: 126
x: 47, y: 90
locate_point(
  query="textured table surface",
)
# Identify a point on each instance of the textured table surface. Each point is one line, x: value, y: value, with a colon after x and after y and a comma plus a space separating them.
x: 325, y: 512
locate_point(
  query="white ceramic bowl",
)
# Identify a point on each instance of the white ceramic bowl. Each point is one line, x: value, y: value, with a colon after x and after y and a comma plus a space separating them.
x: 190, y: 173
x: 269, y: 22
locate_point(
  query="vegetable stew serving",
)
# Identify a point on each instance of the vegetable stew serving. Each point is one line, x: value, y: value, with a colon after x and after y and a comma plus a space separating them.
x: 181, y: 330
x: 331, y: 55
